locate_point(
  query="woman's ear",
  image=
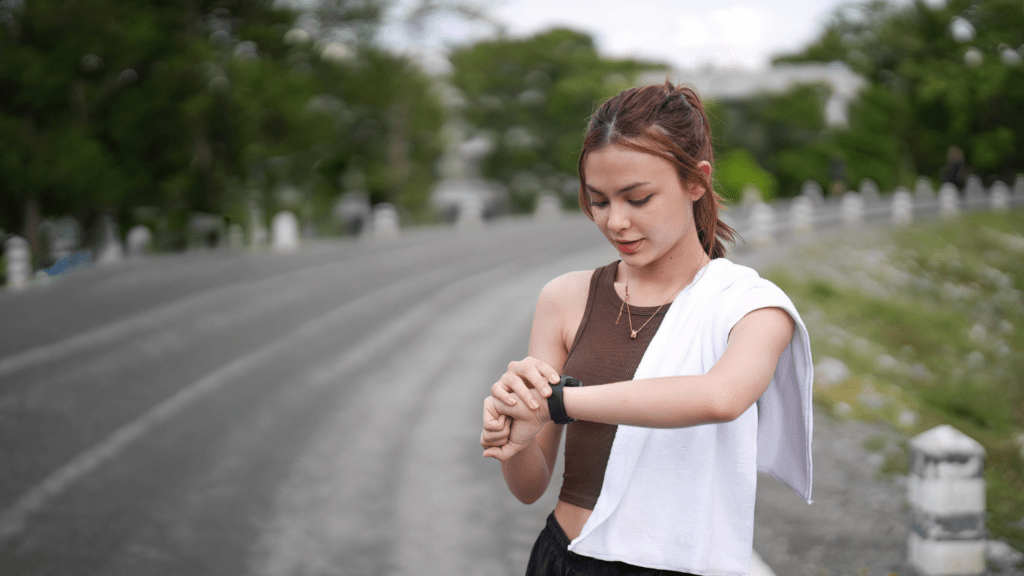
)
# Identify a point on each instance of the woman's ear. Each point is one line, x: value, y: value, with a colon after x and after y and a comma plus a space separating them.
x: 697, y: 190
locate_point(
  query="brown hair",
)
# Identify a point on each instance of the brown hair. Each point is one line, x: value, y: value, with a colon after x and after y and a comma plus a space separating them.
x: 669, y: 122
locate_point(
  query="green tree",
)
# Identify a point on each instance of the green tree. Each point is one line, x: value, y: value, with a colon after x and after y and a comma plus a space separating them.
x: 531, y: 97
x: 940, y: 76
x: 204, y: 106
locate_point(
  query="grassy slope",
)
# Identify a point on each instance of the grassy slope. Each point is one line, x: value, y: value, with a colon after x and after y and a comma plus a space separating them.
x: 930, y: 322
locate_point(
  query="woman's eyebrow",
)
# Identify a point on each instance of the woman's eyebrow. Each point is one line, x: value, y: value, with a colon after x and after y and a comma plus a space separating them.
x: 621, y: 190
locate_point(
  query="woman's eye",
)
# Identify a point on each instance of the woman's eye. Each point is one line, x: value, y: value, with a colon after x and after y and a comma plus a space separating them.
x: 598, y: 204
x: 641, y: 201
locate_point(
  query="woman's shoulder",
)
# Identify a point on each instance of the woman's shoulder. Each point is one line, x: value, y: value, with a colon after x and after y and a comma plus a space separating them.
x: 569, y: 289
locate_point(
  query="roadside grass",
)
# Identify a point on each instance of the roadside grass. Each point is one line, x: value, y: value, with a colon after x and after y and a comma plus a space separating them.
x: 929, y: 322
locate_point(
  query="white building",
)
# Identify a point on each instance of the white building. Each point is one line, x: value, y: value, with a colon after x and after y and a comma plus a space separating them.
x: 729, y: 84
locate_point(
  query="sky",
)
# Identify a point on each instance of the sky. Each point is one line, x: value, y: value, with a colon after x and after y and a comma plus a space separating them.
x: 685, y: 33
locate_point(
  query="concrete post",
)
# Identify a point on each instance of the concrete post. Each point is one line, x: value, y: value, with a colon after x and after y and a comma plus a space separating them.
x: 852, y: 209
x: 385, y: 221
x: 139, y: 240
x: 801, y: 214
x: 812, y: 190
x: 762, y: 224
x: 549, y: 208
x: 285, y: 231
x: 949, y: 201
x: 1018, y: 186
x: 923, y: 189
x: 111, y: 250
x: 19, y: 262
x: 946, y: 494
x: 974, y: 188
x: 902, y: 207
x: 470, y: 215
x: 999, y: 196
x: 869, y: 191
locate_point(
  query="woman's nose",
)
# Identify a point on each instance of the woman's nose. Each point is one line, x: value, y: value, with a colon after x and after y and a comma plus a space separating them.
x: 618, y: 217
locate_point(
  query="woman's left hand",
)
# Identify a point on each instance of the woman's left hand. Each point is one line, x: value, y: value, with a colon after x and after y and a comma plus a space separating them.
x: 529, y: 379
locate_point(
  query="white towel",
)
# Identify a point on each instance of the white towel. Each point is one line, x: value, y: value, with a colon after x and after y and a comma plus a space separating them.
x: 683, y: 499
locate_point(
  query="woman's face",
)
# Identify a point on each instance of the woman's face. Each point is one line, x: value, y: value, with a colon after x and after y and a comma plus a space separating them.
x: 639, y: 204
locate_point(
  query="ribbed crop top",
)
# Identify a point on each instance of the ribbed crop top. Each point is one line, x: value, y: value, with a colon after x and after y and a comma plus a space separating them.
x: 602, y: 352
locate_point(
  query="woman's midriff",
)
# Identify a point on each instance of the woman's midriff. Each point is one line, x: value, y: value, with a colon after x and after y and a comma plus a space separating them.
x: 571, y: 518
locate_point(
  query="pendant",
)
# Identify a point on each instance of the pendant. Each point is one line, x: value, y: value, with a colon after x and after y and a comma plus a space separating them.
x: 632, y: 334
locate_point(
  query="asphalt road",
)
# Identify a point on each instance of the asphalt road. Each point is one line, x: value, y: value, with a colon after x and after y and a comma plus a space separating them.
x: 311, y: 413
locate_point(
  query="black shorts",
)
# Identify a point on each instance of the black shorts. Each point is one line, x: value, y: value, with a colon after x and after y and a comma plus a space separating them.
x: 551, y: 557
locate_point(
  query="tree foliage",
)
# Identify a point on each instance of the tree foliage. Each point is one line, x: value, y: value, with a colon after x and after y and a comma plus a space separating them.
x: 204, y: 105
x: 938, y: 77
x: 531, y: 99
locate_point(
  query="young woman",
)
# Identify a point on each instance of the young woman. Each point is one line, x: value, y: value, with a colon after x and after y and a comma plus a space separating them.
x: 695, y: 372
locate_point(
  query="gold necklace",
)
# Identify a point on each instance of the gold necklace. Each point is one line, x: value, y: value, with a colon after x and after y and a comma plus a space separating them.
x: 629, y: 315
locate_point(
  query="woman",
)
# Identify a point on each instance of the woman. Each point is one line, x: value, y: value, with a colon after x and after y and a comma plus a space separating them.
x: 674, y: 345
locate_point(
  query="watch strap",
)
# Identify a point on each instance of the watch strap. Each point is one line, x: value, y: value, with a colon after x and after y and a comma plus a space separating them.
x: 556, y: 402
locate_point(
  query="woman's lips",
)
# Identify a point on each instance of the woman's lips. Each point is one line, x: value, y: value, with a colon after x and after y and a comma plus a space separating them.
x: 629, y: 247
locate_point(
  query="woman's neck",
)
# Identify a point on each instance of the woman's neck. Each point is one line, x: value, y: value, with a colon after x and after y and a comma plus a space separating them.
x: 659, y: 281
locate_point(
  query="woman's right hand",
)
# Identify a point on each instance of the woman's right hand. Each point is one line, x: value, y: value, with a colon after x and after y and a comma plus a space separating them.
x: 521, y: 376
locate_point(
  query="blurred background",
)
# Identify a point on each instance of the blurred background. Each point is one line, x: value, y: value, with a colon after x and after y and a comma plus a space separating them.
x: 225, y: 223
x: 185, y: 116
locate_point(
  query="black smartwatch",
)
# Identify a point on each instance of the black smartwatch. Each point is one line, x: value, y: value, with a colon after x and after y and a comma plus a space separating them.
x: 556, y: 404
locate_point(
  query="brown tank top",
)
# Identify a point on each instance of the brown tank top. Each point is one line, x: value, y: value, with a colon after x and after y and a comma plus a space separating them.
x: 602, y: 352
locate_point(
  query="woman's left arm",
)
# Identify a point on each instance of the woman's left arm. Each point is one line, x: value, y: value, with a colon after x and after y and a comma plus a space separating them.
x: 732, y: 385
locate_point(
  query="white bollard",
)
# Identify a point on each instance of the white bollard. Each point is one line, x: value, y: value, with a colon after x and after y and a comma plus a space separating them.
x: 869, y: 191
x: 385, y: 221
x: 902, y: 206
x: 284, y: 230
x: 19, y: 262
x: 750, y: 196
x: 923, y: 190
x: 946, y: 494
x: 801, y: 215
x: 974, y: 188
x: 110, y: 251
x: 471, y: 213
x: 257, y: 227
x: 1018, y: 187
x: 139, y: 240
x: 812, y: 190
x: 949, y: 201
x: 549, y: 209
x: 999, y: 196
x: 762, y: 225
x: 852, y: 209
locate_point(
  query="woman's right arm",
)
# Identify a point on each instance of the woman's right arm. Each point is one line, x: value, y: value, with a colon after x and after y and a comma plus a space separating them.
x: 558, y: 314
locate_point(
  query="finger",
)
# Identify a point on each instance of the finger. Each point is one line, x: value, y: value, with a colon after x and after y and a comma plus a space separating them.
x: 488, y: 439
x: 495, y: 442
x: 539, y: 381
x: 496, y: 424
x: 523, y: 391
x: 491, y: 413
x: 502, y: 391
x: 550, y: 373
x: 503, y: 453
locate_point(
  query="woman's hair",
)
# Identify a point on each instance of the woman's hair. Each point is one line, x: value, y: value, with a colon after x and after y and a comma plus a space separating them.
x: 669, y: 122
